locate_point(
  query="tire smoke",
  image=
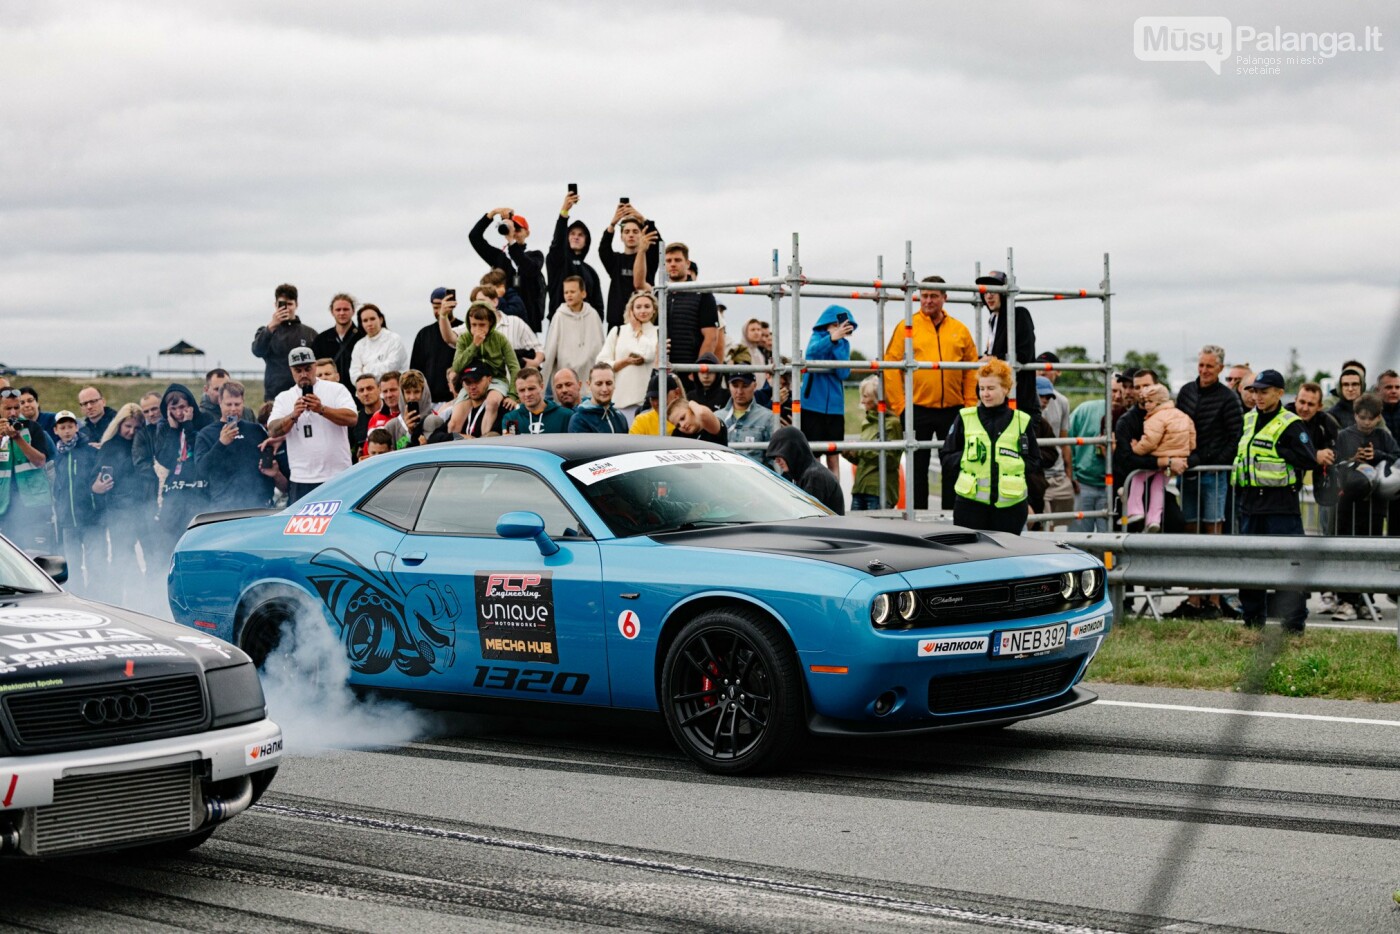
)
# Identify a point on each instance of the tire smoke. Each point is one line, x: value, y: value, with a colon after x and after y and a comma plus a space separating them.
x: 306, y: 680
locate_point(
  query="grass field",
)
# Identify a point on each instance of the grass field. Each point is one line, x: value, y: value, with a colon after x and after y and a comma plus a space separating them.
x: 57, y: 393
x: 1224, y: 656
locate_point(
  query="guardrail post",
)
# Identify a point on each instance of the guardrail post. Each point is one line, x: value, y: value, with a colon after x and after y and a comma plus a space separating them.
x: 1118, y: 594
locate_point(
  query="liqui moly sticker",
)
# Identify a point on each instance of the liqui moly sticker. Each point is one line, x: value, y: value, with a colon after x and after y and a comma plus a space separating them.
x: 253, y: 753
x: 1090, y: 627
x: 964, y: 645
x: 312, y: 518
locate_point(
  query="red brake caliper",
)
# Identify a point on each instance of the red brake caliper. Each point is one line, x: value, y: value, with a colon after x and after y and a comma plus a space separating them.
x: 708, y: 686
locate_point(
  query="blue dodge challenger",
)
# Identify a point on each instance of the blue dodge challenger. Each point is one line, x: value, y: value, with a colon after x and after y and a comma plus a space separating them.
x: 651, y: 574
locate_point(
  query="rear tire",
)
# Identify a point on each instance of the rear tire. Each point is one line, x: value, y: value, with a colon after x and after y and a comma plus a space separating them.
x: 731, y: 692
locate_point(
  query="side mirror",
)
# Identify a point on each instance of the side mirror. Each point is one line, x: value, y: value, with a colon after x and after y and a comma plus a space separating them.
x: 54, y: 566
x: 526, y: 525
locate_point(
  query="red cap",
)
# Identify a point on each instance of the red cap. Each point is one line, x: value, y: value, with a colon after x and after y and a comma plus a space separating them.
x: 519, y: 221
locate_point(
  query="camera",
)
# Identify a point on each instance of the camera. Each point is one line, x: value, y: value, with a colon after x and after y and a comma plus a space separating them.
x: 506, y: 228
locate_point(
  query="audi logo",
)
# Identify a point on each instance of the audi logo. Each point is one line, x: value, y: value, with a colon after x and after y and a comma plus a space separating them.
x: 115, y: 708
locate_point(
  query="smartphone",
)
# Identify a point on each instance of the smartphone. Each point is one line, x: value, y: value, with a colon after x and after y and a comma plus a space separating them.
x: 104, y: 473
x: 451, y: 295
x: 842, y: 317
x: 230, y: 419
x: 573, y: 188
x: 307, y: 390
x: 265, y: 459
x: 283, y: 305
x: 624, y: 200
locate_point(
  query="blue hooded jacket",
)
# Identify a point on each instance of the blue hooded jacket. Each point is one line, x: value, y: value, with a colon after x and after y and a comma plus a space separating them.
x: 592, y: 417
x: 822, y: 390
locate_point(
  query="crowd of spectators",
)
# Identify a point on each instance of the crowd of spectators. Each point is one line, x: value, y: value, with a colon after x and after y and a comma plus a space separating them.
x: 547, y: 343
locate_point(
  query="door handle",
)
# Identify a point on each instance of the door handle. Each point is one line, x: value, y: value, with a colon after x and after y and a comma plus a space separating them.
x: 415, y: 557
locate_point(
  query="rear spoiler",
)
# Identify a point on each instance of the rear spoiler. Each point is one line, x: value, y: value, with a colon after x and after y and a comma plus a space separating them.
x: 209, y: 518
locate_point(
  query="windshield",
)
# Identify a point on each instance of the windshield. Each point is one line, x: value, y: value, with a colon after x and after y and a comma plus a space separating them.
x: 18, y: 576
x: 648, y: 492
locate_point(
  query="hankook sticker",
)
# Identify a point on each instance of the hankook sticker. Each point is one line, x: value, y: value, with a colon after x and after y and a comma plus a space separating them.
x: 1090, y: 627
x: 966, y: 645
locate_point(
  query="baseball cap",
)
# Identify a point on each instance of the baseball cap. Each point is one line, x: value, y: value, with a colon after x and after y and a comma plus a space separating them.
x: 439, y: 294
x: 301, y: 356
x: 1043, y: 386
x: 742, y: 378
x: 671, y: 383
x: 1268, y: 379
x: 995, y: 277
x: 1048, y: 356
x: 476, y: 371
x: 65, y: 415
x: 520, y: 221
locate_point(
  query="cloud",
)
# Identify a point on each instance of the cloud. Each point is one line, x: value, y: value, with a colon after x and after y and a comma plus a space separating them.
x: 165, y: 167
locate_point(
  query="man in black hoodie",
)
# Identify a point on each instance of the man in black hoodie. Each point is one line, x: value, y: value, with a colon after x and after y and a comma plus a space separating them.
x: 227, y: 453
x: 790, y: 454
x: 274, y: 340
x: 524, y: 268
x: 183, y: 491
x: 568, y: 254
x: 634, y: 229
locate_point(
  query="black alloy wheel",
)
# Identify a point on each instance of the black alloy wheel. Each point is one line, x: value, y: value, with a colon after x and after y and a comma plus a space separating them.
x: 731, y: 691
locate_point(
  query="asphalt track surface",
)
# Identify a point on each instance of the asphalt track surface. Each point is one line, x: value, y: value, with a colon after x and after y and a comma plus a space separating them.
x: 1136, y: 814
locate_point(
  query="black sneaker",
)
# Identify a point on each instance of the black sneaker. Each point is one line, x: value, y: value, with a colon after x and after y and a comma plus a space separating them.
x: 1184, y: 610
x: 1209, y: 611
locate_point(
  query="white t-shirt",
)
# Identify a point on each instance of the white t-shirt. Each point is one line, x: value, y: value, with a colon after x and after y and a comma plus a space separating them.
x: 317, y: 448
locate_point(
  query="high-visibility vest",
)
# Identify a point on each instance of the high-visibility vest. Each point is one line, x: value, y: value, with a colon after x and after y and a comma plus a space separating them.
x: 31, y: 481
x: 975, y: 474
x: 1257, y: 461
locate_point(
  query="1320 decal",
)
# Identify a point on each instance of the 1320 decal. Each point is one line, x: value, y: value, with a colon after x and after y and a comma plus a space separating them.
x: 530, y: 680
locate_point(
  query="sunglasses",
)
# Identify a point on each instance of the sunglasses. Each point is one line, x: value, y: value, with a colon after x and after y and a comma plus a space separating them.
x: 9, y: 393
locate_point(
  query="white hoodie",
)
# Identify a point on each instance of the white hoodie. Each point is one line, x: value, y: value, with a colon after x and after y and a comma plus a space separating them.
x: 574, y: 339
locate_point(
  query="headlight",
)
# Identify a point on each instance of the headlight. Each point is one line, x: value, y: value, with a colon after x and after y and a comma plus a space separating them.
x: 908, y: 604
x: 880, y: 610
x: 1089, y: 581
x: 1067, y: 585
x: 235, y: 696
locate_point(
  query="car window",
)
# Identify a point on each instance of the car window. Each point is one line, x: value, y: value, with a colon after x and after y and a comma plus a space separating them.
x: 468, y: 500
x: 397, y: 501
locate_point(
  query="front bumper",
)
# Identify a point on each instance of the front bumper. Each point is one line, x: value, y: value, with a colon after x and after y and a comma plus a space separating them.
x: 27, y: 781
x: 1077, y: 696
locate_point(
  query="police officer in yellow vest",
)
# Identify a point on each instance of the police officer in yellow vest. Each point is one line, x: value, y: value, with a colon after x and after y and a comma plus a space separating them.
x: 1274, y: 453
x: 26, y: 506
x: 992, y: 456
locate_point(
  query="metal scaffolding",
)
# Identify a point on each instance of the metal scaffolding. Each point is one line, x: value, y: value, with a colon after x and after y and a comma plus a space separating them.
x: 796, y: 284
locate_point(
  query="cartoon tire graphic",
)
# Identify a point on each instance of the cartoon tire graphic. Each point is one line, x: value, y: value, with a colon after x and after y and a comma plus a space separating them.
x: 370, y: 634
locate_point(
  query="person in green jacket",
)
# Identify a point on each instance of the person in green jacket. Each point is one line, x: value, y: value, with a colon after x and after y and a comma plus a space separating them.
x: 482, y: 342
x: 865, y: 492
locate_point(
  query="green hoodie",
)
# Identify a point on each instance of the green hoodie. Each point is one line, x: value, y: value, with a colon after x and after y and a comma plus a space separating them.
x: 495, y: 352
x: 868, y: 462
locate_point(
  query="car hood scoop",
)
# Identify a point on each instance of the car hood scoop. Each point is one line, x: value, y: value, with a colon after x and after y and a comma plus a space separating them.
x: 876, y: 546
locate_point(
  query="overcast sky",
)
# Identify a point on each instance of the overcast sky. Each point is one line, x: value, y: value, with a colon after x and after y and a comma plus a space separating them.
x: 166, y: 165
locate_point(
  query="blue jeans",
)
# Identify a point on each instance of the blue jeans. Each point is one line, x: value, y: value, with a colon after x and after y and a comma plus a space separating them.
x: 1290, y: 605
x: 1203, y: 496
x: 860, y: 502
x: 1090, y: 499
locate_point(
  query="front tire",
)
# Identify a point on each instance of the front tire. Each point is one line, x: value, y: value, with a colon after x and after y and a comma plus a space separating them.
x: 732, y: 692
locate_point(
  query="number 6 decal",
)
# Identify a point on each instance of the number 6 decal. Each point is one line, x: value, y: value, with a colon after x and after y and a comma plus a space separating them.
x: 629, y: 624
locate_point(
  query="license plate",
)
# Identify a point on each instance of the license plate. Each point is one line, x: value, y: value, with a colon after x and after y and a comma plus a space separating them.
x: 1028, y: 641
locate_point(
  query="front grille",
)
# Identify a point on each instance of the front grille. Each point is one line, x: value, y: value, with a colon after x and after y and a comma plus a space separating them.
x: 120, y: 807
x: 959, y: 693
x: 947, y: 606
x: 72, y: 718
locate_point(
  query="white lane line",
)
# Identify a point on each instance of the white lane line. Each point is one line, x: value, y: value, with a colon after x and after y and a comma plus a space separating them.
x: 1246, y: 713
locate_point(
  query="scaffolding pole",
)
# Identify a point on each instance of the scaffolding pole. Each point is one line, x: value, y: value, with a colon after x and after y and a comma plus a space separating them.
x: 795, y: 285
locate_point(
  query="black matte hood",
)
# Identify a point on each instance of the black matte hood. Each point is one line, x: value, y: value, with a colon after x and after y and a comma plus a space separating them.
x: 61, y: 639
x: 876, y: 546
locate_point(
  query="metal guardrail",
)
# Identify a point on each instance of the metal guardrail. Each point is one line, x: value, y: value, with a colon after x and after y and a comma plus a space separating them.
x: 1260, y: 562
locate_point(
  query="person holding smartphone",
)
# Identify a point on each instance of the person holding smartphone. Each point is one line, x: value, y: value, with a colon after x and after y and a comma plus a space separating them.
x: 568, y: 256
x: 274, y: 340
x: 227, y: 454
x: 823, y: 391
